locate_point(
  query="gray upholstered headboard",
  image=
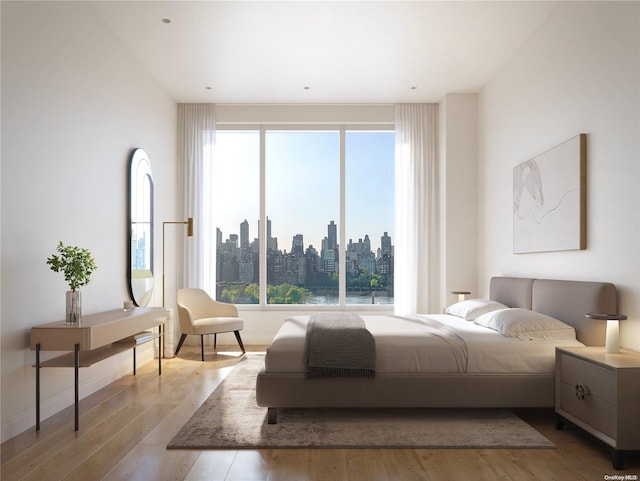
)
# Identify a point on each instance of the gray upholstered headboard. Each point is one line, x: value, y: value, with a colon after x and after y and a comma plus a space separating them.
x: 568, y: 301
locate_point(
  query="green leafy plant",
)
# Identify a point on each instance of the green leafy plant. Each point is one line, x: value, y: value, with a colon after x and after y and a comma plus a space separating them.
x: 75, y: 263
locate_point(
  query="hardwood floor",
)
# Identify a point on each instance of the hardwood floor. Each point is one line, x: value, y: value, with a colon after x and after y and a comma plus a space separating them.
x: 125, y: 427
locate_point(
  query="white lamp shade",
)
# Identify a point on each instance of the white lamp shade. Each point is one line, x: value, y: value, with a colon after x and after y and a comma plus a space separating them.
x: 613, y: 337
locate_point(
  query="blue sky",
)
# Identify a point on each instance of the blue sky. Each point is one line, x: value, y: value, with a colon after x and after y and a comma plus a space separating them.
x: 302, y: 179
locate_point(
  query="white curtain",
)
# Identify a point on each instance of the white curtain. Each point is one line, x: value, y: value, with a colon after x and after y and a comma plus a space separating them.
x: 416, y: 269
x: 196, y: 138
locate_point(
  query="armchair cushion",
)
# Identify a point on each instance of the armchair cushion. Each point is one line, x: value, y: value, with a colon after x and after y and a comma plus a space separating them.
x: 212, y: 325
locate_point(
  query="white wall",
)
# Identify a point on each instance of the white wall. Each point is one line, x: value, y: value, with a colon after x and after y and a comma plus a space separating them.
x: 578, y: 73
x: 458, y: 181
x: 74, y: 103
x: 233, y: 114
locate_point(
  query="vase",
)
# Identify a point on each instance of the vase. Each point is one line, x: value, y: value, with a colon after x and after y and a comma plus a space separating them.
x: 74, y: 308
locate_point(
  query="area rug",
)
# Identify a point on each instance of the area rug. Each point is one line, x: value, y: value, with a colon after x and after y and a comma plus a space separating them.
x: 230, y: 419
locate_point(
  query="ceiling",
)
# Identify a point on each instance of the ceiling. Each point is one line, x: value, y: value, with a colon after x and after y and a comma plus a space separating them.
x: 322, y: 51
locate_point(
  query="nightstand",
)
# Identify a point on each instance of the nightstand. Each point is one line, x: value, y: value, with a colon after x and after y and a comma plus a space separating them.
x: 600, y: 393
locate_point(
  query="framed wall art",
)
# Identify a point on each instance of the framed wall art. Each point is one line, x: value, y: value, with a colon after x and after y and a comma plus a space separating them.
x: 549, y: 199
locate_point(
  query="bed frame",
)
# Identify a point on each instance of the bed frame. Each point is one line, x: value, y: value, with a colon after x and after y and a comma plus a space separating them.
x: 568, y: 301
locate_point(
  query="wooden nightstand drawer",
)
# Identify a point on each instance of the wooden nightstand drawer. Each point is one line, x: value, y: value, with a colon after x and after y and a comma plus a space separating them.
x: 589, y: 408
x: 597, y: 381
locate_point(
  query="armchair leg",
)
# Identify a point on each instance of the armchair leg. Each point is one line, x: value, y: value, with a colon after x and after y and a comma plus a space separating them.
x: 239, y: 339
x: 202, y: 346
x: 182, y: 338
x: 215, y: 341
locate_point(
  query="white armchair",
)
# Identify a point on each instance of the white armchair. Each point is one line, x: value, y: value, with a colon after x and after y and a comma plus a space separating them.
x: 199, y: 314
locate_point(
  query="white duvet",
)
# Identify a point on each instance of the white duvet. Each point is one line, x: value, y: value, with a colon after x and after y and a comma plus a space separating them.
x: 434, y: 343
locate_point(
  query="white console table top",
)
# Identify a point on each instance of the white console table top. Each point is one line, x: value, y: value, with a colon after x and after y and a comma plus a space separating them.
x: 96, y: 330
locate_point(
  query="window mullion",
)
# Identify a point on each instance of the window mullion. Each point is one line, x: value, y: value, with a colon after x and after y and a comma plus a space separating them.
x: 263, y: 221
x: 342, y: 264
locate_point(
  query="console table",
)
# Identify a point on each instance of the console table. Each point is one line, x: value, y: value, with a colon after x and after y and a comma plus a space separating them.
x: 97, y: 337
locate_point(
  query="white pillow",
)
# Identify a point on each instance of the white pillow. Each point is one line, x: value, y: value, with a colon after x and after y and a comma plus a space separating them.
x: 472, y: 308
x: 525, y: 324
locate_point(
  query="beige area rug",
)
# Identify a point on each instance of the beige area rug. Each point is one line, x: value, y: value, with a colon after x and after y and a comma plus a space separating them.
x: 230, y: 419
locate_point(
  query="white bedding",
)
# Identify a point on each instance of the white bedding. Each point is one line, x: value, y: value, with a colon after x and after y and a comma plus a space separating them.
x: 418, y: 345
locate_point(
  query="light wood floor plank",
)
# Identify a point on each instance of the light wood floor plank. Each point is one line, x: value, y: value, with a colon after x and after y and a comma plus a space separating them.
x: 125, y: 427
x: 404, y: 464
x: 288, y: 464
x: 250, y: 465
x: 212, y: 466
x: 328, y: 465
x: 154, y: 462
x: 365, y: 465
x: 447, y: 464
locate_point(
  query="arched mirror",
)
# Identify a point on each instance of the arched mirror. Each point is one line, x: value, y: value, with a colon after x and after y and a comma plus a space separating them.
x: 140, y: 226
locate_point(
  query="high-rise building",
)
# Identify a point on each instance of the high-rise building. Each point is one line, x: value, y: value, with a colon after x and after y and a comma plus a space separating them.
x: 233, y: 240
x: 297, y: 245
x: 244, y: 235
x: 332, y: 235
x: 329, y: 261
x: 385, y: 244
x: 272, y: 244
x: 246, y: 267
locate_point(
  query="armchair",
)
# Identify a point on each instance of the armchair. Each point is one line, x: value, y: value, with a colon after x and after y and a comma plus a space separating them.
x: 199, y: 314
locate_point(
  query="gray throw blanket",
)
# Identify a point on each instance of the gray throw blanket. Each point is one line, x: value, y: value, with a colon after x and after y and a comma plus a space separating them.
x: 339, y: 344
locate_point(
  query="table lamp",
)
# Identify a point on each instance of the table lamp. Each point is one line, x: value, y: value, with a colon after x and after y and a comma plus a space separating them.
x: 612, y: 343
x: 461, y: 294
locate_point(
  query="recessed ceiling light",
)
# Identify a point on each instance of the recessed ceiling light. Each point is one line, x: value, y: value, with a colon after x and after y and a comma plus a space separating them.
x: 306, y: 87
x: 207, y: 88
x: 414, y: 88
x: 166, y: 20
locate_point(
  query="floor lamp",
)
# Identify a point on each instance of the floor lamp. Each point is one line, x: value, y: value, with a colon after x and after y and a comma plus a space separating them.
x: 189, y: 223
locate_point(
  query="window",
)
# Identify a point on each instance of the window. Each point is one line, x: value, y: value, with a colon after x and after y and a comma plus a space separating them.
x: 302, y: 190
x: 369, y: 216
x: 311, y: 187
x: 235, y: 196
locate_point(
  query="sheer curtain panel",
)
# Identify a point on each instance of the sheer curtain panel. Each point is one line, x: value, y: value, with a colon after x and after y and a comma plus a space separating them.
x: 196, y: 139
x: 416, y: 261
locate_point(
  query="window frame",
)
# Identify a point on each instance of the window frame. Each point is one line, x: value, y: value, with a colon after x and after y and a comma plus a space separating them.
x: 262, y: 128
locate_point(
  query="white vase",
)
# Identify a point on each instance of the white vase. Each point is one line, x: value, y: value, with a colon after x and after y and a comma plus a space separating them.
x: 74, y: 308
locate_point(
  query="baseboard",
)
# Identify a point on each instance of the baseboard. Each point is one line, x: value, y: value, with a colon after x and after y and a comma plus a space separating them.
x: 91, y: 380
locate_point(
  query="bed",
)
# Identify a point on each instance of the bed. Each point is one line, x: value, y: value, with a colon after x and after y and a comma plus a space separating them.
x: 412, y: 371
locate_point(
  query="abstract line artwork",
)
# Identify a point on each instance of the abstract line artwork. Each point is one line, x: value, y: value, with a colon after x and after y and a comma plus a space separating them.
x: 549, y: 199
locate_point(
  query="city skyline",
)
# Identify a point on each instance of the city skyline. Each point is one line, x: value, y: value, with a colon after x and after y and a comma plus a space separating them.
x: 288, y: 246
x: 297, y: 274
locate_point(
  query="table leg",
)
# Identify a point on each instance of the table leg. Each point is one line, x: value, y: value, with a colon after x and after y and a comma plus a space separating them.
x: 161, y: 347
x: 77, y: 384
x: 38, y: 387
